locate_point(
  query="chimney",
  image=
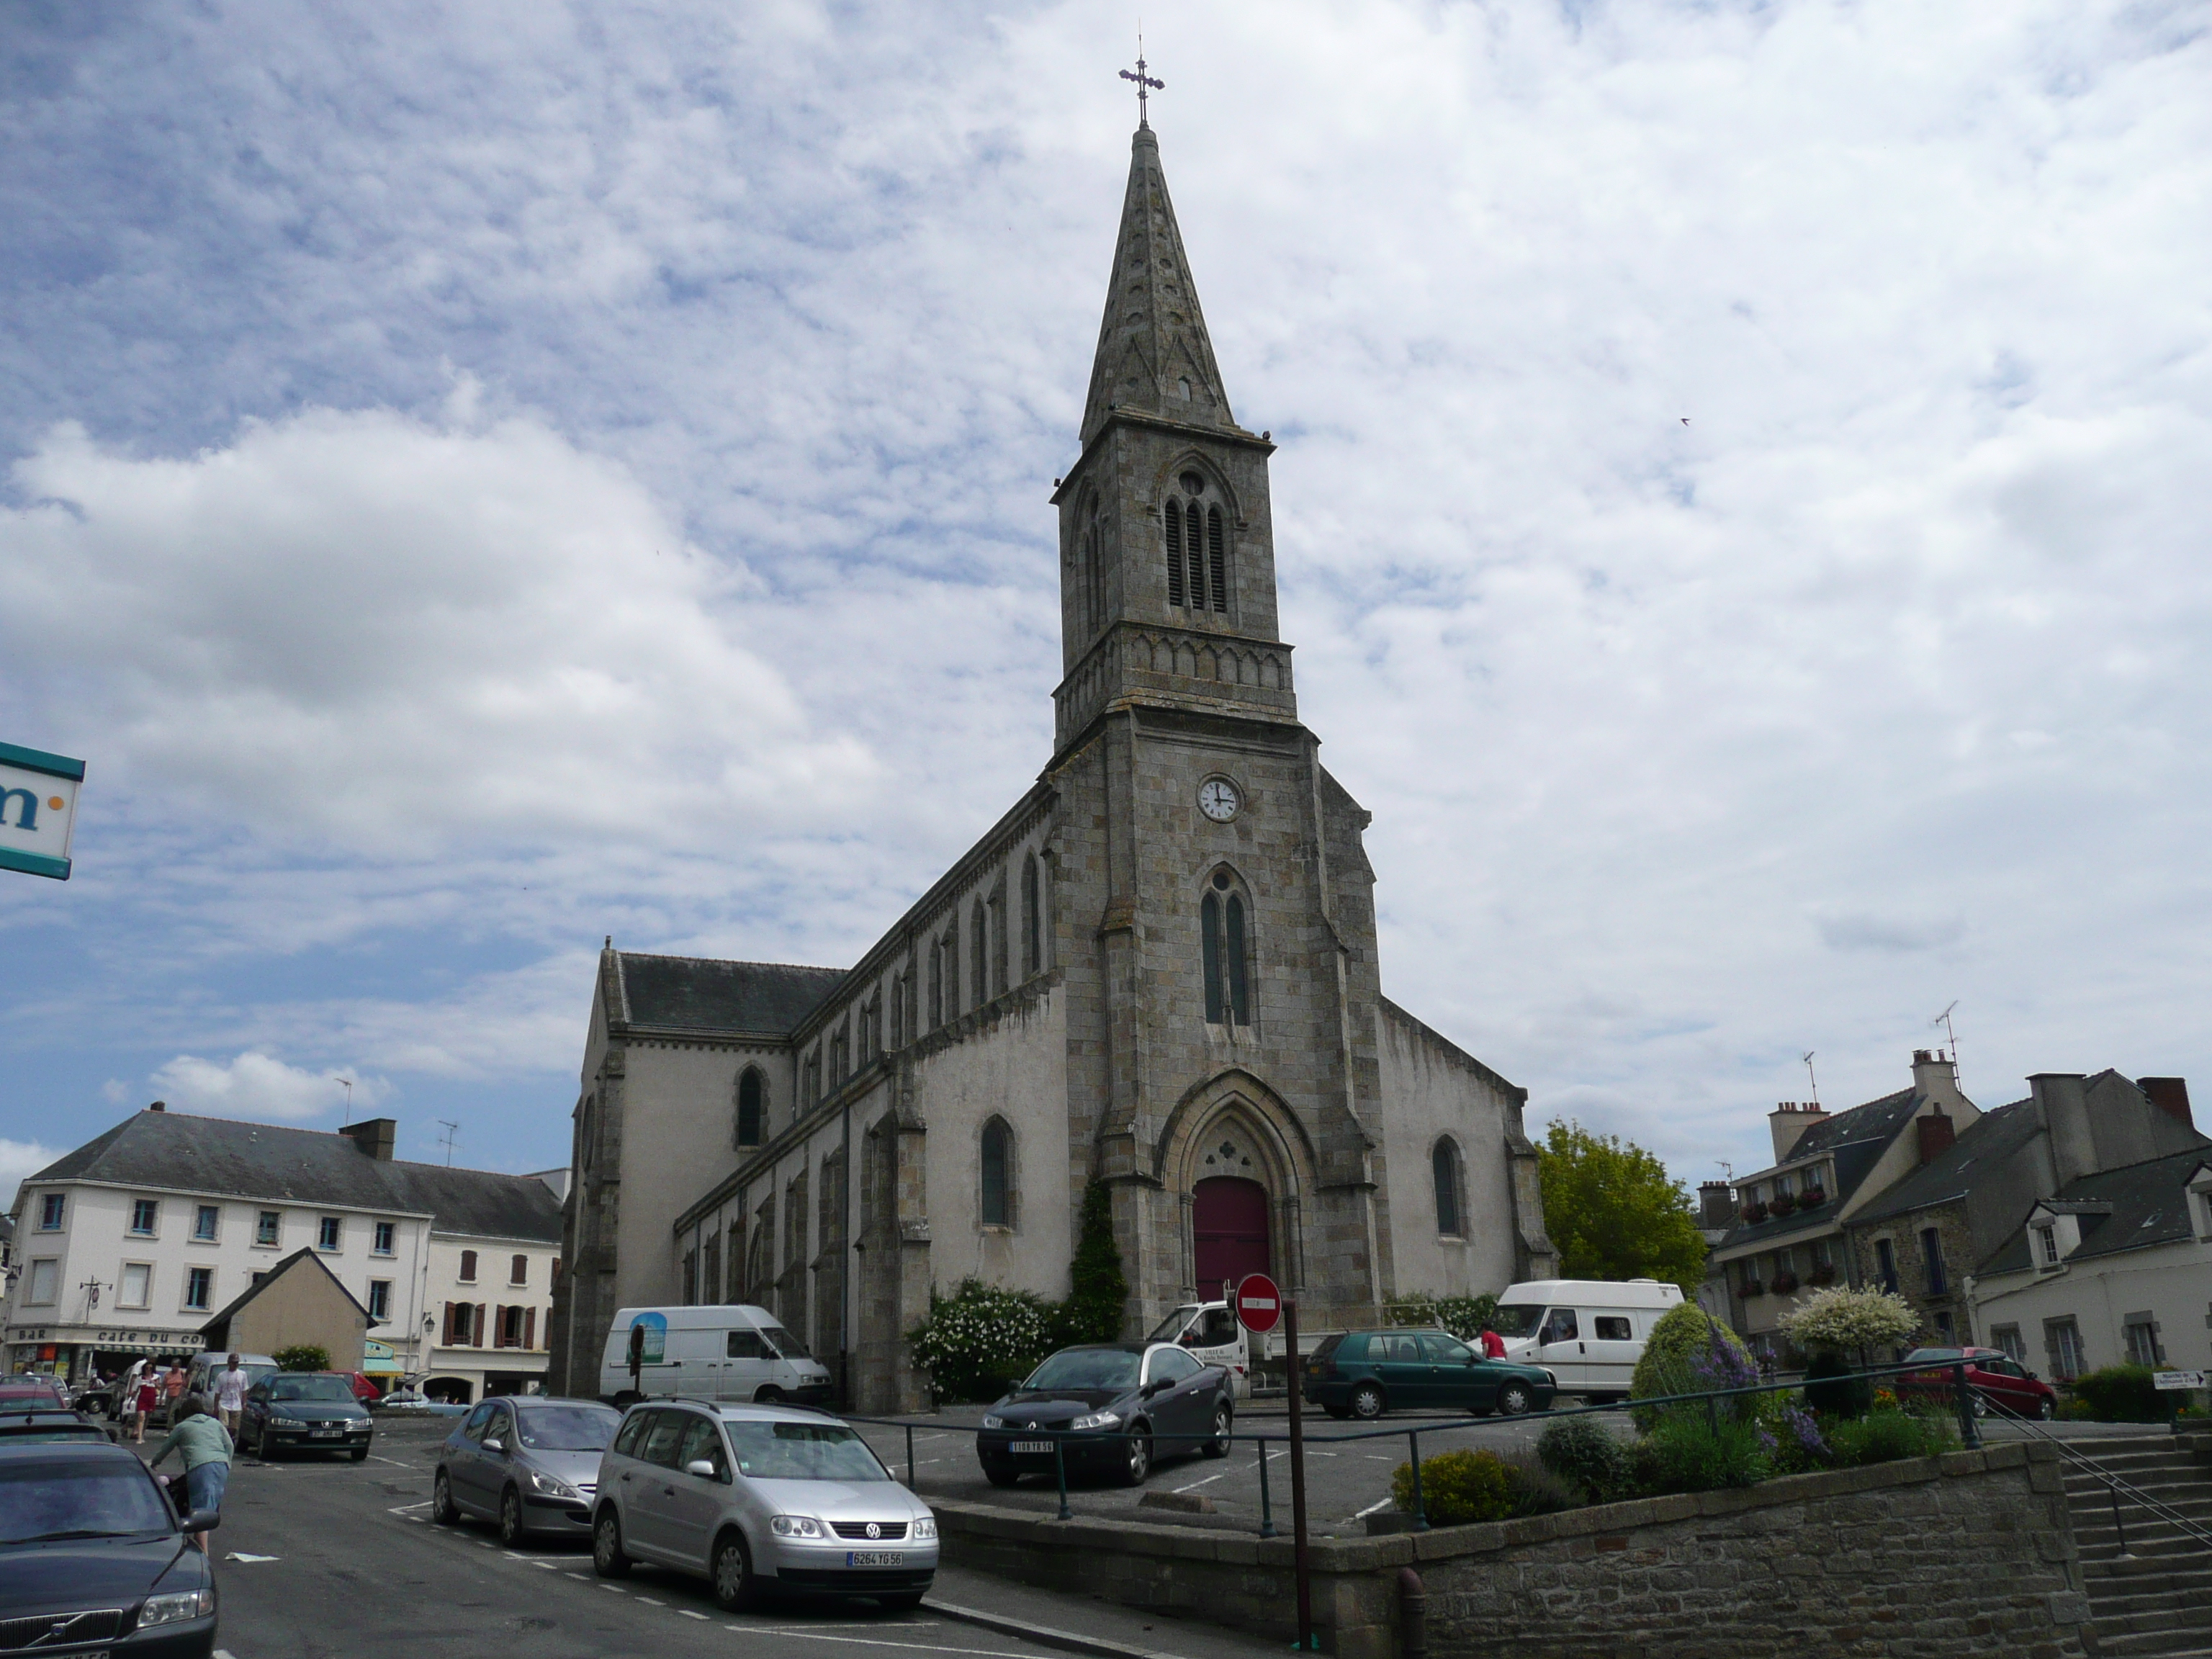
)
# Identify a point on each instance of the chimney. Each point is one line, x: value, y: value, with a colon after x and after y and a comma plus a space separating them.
x: 2171, y: 1095
x: 1716, y: 1206
x: 163, y: 1106
x: 1789, y: 1121
x: 376, y: 1136
x: 1937, y: 1136
x: 2065, y: 1105
x: 1934, y: 1074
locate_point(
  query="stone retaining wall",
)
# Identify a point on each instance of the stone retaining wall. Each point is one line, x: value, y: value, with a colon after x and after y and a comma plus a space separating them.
x: 1970, y: 1553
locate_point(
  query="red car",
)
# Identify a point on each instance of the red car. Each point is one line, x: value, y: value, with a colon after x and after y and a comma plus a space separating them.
x: 2002, y: 1386
x: 363, y: 1389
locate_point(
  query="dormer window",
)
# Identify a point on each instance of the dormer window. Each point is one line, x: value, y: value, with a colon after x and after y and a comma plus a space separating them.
x: 2046, y: 1245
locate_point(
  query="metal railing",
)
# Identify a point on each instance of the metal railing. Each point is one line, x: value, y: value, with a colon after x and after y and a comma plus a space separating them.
x: 1961, y: 1391
x: 2116, y: 1487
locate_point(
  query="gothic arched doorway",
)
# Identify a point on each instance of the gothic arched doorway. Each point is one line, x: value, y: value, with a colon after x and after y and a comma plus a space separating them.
x: 1228, y: 1231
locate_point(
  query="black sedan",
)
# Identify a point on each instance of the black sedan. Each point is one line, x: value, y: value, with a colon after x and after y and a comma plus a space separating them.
x: 304, y: 1410
x: 1113, y: 1406
x: 94, y: 1560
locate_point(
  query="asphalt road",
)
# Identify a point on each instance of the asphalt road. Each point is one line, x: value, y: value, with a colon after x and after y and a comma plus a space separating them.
x: 356, y: 1569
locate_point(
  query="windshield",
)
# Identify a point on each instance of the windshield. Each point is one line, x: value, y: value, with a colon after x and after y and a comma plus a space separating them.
x: 1171, y: 1327
x: 310, y: 1388
x: 567, y: 1428
x: 802, y: 1451
x: 1086, y: 1368
x: 784, y: 1342
x: 1918, y: 1354
x: 1516, y: 1319
x: 78, y: 1499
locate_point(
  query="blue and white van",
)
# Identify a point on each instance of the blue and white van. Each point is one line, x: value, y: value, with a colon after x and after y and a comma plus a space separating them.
x: 725, y: 1353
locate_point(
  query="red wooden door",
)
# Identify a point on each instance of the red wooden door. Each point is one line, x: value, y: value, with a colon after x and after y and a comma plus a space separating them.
x: 1229, y: 1220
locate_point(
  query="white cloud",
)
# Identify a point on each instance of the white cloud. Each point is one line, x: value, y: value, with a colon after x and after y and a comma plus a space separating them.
x: 254, y: 1085
x: 19, y: 1158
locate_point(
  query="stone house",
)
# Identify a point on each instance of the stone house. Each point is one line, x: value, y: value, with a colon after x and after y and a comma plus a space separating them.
x: 299, y: 1302
x: 1158, y: 969
x: 1924, y: 1236
x: 2115, y: 1267
x: 1790, y: 1235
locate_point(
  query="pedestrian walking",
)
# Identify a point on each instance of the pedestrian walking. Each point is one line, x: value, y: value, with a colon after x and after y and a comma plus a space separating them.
x: 230, y: 1396
x: 143, y: 1393
x: 205, y: 1446
x: 1493, y: 1346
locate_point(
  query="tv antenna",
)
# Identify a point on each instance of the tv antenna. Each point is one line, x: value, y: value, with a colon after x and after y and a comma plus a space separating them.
x: 347, y: 1084
x: 1807, y: 1058
x: 1727, y: 1168
x: 446, y: 1140
x: 1943, y: 1019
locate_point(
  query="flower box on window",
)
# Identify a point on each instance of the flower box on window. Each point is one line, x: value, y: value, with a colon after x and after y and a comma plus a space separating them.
x: 1812, y: 1198
x: 1824, y: 1273
x: 1783, y: 1283
x: 1755, y: 1213
x: 1781, y: 1204
x: 1752, y: 1287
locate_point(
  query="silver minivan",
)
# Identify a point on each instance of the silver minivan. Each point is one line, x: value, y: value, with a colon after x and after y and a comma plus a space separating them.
x: 750, y: 1497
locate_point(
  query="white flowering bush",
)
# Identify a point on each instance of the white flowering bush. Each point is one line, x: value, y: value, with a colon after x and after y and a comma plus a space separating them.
x: 981, y: 1339
x: 1464, y: 1316
x: 1842, y: 1320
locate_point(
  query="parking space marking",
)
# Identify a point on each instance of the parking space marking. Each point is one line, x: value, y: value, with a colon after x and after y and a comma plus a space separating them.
x: 396, y: 1463
x: 688, y: 1613
x: 877, y: 1642
x: 650, y: 1602
x: 548, y: 1565
x: 580, y: 1577
x: 1208, y: 1481
x: 1379, y: 1503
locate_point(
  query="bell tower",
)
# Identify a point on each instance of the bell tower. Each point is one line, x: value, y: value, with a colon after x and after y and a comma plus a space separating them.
x: 1166, y: 538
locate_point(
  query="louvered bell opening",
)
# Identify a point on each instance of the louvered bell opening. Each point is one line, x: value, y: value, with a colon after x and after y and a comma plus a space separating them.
x: 1194, y: 532
x: 1172, y: 518
x: 1217, y: 558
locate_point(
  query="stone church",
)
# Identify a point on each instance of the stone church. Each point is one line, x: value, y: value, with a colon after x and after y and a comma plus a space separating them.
x: 1157, y: 968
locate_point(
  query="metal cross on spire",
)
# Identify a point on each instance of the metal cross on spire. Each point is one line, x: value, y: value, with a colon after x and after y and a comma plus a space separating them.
x: 1146, y: 84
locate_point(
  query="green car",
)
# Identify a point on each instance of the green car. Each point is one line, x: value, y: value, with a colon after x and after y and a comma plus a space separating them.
x: 1365, y: 1373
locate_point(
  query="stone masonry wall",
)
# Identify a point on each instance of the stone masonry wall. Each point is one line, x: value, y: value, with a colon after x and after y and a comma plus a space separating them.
x: 1968, y: 1554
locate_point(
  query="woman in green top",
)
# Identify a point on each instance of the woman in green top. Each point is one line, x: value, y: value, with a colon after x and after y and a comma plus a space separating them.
x: 205, y: 1446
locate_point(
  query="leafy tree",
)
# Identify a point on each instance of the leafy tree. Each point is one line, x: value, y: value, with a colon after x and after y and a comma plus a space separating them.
x: 1614, y: 1213
x: 307, y: 1356
x: 1096, y: 1290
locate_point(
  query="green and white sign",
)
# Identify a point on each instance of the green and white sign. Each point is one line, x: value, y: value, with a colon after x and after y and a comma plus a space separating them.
x: 38, y: 810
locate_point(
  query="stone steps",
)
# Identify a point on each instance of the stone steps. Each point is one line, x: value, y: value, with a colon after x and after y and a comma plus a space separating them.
x: 2154, y: 1602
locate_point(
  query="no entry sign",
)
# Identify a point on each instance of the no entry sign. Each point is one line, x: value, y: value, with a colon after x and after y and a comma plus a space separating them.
x: 1259, y: 1305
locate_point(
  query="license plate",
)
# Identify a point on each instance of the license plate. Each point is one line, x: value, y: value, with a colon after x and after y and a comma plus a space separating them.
x: 326, y: 1431
x: 875, y: 1557
x: 1044, y: 1446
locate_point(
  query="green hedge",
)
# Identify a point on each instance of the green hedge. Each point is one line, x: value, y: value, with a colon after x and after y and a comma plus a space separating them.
x: 2119, y: 1394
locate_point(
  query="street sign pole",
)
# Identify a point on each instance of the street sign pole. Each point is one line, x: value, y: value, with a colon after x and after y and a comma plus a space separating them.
x: 1306, y: 1643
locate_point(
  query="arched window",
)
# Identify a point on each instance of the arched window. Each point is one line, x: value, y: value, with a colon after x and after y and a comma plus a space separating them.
x: 1451, y: 1221
x: 1096, y: 560
x: 752, y: 1108
x: 996, y: 1208
x: 936, y: 983
x: 979, y: 977
x: 1171, y: 522
x: 1217, y: 559
x: 1032, y: 930
x: 1195, y: 555
x: 1222, y: 950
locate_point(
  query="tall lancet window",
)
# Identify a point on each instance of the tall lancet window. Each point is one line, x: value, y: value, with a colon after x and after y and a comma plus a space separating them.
x: 1196, y: 537
x: 1094, y: 558
x: 1221, y: 953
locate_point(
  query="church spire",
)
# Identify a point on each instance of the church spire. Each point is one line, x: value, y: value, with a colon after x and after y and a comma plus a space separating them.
x: 1153, y: 357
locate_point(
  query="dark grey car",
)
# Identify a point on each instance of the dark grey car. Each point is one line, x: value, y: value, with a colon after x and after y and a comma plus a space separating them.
x: 1113, y: 1407
x: 531, y: 1463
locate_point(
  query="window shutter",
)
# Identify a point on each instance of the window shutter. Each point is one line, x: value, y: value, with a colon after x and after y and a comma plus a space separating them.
x: 479, y: 1325
x: 498, y: 1326
x: 529, y: 1328
x: 447, y: 1335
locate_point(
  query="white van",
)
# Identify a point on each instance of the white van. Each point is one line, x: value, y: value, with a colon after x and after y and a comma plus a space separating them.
x: 723, y: 1352
x: 1209, y: 1332
x: 1588, y: 1332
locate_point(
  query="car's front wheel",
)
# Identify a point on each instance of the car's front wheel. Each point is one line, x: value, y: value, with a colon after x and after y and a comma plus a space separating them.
x: 1367, y: 1400
x: 1138, y: 1462
x: 442, y: 1509
x: 1514, y: 1399
x: 1216, y: 1443
x: 2045, y: 1409
x: 607, y: 1558
x: 510, y: 1517
x: 900, y: 1601
x: 359, y: 1454
x: 735, y: 1587
x: 1001, y: 1474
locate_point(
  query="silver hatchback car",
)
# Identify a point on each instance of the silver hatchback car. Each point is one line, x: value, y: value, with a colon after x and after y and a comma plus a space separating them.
x: 750, y: 1497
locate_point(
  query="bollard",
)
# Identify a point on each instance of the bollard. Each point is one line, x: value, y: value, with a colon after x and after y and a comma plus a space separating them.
x: 1266, y: 1514
x: 1420, y: 1508
x: 910, y: 1457
x: 1412, y: 1615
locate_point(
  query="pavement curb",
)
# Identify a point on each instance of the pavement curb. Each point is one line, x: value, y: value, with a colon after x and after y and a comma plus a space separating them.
x: 1043, y: 1634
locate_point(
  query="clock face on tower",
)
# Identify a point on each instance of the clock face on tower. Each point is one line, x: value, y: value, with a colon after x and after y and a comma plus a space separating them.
x: 1219, y: 799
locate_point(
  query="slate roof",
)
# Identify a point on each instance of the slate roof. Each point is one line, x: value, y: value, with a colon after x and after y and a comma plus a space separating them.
x: 2129, y: 1208
x: 698, y: 993
x: 1854, y: 1142
x: 1994, y: 1136
x: 263, y: 1281
x: 178, y: 1151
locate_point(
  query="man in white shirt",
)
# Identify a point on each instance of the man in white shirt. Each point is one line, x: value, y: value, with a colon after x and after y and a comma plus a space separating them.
x: 230, y: 1395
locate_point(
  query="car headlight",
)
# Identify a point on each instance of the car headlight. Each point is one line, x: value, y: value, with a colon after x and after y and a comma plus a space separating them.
x: 1098, y: 1420
x: 990, y: 1422
x: 796, y: 1526
x: 168, y: 1609
x: 926, y: 1527
x: 546, y: 1487
x: 286, y: 1423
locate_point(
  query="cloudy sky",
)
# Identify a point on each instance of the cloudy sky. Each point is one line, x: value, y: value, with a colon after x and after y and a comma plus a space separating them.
x: 474, y: 479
